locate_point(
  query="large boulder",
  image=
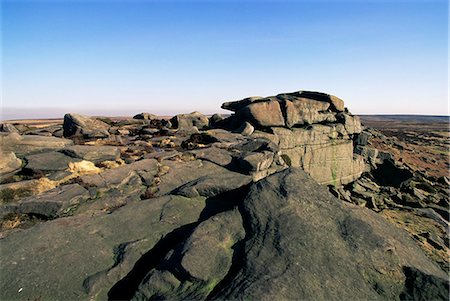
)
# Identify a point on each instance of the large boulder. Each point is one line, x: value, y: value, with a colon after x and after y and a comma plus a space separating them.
x: 312, y: 129
x: 263, y: 113
x: 188, y: 121
x: 302, y: 244
x: 84, y: 126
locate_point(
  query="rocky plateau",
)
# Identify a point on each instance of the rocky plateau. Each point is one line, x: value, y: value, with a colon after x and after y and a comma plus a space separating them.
x: 288, y: 198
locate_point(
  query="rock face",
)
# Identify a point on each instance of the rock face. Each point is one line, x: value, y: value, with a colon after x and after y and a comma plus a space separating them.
x: 88, y: 127
x: 311, y: 128
x: 292, y: 253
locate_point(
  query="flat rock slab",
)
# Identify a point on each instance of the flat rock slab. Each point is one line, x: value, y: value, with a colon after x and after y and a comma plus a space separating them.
x: 50, y: 161
x: 210, y: 186
x: 80, y: 258
x: 51, y: 203
x: 93, y: 153
x: 31, y: 144
x: 116, y: 176
x: 302, y: 243
x: 181, y: 173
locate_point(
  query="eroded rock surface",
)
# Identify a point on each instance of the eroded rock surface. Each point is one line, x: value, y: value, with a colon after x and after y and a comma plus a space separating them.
x: 236, y: 207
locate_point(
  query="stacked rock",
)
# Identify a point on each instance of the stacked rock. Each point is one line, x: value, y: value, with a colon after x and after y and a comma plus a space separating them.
x: 313, y: 131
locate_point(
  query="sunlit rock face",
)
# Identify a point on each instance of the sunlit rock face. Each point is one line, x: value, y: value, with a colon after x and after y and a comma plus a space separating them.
x: 313, y: 131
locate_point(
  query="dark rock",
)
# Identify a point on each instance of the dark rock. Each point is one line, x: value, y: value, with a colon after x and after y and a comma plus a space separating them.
x: 238, y: 105
x: 290, y: 253
x: 362, y: 138
x: 84, y: 126
x: 423, y: 287
x: 82, y: 257
x: 198, y: 140
x: 246, y: 129
x: 50, y: 161
x: 145, y: 116
x: 388, y: 174
x: 53, y: 203
x: 192, y: 272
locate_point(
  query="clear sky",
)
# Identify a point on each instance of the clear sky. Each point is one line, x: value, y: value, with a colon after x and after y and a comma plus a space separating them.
x: 167, y: 57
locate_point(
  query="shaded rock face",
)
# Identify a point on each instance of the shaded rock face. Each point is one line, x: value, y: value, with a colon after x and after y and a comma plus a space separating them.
x: 311, y: 128
x: 87, y: 127
x: 290, y: 253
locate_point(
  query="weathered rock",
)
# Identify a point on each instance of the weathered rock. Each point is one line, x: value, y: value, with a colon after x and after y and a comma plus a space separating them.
x: 263, y: 114
x: 306, y: 111
x: 212, y: 185
x: 255, y: 161
x: 181, y: 173
x: 237, y: 105
x: 8, y: 128
x: 93, y: 153
x: 82, y: 257
x: 31, y: 144
x: 145, y: 116
x: 218, y: 236
x: 317, y: 150
x: 188, y: 121
x: 290, y: 253
x: 352, y: 123
x: 246, y: 129
x: 215, y: 155
x: 84, y: 126
x: 337, y: 104
x: 52, y: 203
x: 120, y: 175
x: 49, y: 161
x: 9, y: 163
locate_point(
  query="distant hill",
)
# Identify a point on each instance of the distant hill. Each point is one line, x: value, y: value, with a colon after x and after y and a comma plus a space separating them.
x: 409, y: 118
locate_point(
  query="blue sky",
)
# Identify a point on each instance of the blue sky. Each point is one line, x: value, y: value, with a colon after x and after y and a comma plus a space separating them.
x: 167, y: 57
